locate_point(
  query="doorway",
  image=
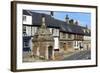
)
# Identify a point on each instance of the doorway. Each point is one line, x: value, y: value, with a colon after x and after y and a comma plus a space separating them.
x: 50, y: 52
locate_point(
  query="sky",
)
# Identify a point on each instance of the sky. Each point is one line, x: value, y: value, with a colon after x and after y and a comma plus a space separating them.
x: 83, y: 18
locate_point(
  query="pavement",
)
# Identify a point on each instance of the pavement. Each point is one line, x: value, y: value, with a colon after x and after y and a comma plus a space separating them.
x: 27, y: 57
x: 71, y: 55
x: 78, y: 55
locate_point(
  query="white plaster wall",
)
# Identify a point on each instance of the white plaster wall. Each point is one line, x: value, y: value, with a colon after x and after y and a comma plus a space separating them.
x: 28, y: 31
x: 55, y: 32
x: 34, y: 30
x: 50, y: 29
x: 30, y: 44
x: 87, y: 37
x: 28, y: 20
x: 56, y: 43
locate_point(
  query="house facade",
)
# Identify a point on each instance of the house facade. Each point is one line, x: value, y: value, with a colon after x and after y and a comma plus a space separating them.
x: 57, y: 35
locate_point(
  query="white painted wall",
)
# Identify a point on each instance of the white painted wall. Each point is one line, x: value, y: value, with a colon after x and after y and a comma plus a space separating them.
x: 55, y: 32
x: 87, y: 37
x: 76, y: 44
x: 34, y: 30
x: 28, y: 20
x: 56, y: 43
x: 50, y: 29
x: 72, y: 36
x: 61, y: 37
x: 28, y: 31
x: 30, y: 44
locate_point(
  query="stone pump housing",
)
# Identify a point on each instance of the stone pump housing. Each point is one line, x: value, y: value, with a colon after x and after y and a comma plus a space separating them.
x: 43, y: 42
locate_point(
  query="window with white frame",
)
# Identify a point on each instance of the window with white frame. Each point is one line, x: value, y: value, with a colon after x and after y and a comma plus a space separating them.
x: 24, y: 30
x: 34, y: 30
x: 27, y: 19
x: 24, y: 18
x: 69, y: 35
x: 28, y: 31
x: 26, y: 44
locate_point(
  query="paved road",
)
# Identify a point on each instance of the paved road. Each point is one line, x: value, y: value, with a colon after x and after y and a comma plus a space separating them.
x: 82, y: 55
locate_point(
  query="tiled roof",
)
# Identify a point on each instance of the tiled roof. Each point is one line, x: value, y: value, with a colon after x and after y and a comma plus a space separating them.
x: 26, y: 12
x: 51, y: 22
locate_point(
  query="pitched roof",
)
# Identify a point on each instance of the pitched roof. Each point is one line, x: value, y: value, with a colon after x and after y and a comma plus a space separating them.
x: 26, y: 12
x: 51, y: 22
